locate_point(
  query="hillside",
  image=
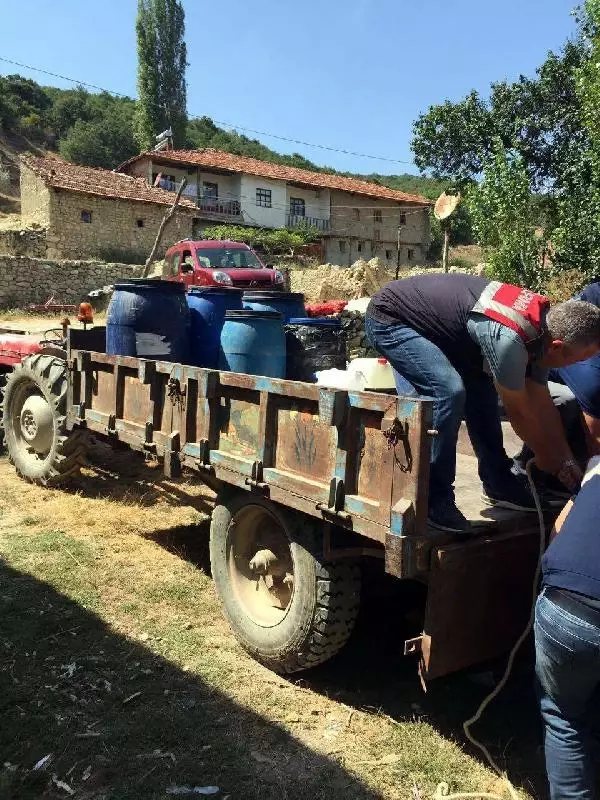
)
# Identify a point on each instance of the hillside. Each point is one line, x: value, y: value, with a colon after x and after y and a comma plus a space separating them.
x: 95, y: 129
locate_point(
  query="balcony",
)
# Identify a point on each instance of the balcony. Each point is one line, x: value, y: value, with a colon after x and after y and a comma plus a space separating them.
x: 221, y: 209
x: 300, y: 221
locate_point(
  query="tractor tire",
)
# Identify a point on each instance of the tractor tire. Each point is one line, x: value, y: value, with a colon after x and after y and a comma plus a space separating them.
x: 286, y: 606
x: 34, y: 408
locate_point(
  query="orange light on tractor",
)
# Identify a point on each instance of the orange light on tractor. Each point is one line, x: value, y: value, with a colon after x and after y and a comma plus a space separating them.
x: 85, y: 313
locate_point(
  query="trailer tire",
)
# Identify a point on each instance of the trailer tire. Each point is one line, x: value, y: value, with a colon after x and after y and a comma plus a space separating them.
x: 34, y: 408
x: 309, y: 612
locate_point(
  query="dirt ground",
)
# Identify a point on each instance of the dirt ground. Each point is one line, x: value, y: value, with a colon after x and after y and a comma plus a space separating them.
x: 119, y: 670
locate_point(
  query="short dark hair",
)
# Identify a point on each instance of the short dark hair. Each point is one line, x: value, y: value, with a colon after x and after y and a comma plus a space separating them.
x: 575, y: 323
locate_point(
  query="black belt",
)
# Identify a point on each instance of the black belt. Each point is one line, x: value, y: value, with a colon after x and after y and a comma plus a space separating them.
x: 575, y: 607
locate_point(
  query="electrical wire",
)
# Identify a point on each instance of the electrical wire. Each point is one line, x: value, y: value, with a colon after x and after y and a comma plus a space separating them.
x: 442, y: 791
x: 230, y: 125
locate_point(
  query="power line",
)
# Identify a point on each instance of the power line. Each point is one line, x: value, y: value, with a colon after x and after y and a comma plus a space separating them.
x: 230, y: 125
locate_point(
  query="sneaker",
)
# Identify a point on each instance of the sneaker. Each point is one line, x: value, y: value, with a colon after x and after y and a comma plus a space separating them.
x: 447, y: 517
x: 516, y: 497
x: 551, y: 491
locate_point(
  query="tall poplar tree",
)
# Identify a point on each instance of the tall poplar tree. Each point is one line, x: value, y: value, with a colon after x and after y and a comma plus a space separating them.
x: 160, y: 29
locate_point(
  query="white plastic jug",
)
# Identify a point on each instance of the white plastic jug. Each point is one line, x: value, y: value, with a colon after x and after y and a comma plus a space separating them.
x: 377, y: 372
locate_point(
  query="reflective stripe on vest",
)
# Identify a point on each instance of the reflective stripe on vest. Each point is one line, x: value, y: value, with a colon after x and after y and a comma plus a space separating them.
x: 519, y: 309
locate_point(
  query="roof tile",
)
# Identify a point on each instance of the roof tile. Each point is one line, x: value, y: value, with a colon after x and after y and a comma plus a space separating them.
x: 218, y: 159
x: 59, y: 174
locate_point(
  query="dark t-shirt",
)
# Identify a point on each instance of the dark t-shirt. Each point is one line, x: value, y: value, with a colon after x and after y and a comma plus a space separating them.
x: 583, y: 378
x: 572, y: 562
x: 438, y: 307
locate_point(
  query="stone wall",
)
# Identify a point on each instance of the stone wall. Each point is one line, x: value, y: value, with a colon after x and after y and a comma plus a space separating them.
x: 26, y: 242
x: 26, y: 280
x: 84, y: 226
x: 35, y: 198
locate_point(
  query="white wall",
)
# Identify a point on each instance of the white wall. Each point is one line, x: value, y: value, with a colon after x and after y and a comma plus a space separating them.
x: 273, y: 217
x: 317, y: 203
x: 229, y: 185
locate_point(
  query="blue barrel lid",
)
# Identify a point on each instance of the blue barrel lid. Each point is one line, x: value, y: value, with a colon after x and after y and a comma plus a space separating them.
x: 272, y: 294
x: 316, y: 322
x: 248, y: 313
x: 150, y: 283
x: 215, y: 290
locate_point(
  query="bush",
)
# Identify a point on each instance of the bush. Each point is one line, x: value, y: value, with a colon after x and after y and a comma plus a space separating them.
x: 281, y: 241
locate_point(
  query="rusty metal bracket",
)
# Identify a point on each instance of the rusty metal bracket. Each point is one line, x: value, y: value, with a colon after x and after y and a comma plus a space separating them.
x: 148, y: 435
x: 81, y: 412
x: 172, y: 464
x: 413, y: 646
x: 335, y: 504
x: 256, y: 481
x: 203, y: 462
x: 111, y: 428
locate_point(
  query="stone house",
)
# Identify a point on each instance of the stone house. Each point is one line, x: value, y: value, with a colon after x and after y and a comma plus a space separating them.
x: 358, y: 219
x: 96, y: 213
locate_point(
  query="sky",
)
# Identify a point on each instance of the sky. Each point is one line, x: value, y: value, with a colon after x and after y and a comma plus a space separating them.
x: 349, y: 74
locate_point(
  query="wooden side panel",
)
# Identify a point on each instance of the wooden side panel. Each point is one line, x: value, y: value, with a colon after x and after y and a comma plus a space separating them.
x: 479, y: 599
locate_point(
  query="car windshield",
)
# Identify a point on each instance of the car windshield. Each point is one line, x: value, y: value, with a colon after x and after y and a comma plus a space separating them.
x: 222, y: 258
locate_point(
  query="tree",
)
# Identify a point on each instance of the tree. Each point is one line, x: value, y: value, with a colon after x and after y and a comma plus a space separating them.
x: 105, y: 142
x: 160, y: 30
x: 502, y: 213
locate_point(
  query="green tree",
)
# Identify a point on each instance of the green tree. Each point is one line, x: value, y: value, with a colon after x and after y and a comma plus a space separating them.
x: 105, y: 142
x: 503, y: 213
x: 160, y: 29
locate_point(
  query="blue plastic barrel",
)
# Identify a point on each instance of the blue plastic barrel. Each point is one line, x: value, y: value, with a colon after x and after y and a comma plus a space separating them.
x: 148, y: 319
x: 253, y: 342
x: 207, y: 315
x: 314, y: 344
x: 290, y: 304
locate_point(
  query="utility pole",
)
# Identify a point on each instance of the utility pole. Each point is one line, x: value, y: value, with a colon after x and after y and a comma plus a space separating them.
x: 400, y: 226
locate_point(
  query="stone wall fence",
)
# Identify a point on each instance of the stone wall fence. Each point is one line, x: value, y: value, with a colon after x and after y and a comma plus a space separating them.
x: 25, y: 280
x: 24, y: 242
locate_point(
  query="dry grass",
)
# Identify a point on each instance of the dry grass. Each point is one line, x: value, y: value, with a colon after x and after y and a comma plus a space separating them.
x: 117, y: 661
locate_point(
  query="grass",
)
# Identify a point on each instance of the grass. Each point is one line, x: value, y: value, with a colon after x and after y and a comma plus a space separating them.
x: 117, y: 663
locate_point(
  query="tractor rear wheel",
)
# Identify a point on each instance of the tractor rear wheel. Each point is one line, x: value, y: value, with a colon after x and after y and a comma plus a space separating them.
x: 34, y: 409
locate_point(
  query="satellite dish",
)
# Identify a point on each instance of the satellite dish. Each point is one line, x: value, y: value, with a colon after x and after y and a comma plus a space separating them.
x: 446, y: 205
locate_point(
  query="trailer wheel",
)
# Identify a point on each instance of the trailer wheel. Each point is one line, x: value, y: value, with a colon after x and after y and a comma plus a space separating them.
x: 286, y: 606
x: 34, y: 411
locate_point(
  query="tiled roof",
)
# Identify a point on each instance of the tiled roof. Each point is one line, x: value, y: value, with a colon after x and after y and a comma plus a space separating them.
x: 218, y: 159
x: 59, y: 174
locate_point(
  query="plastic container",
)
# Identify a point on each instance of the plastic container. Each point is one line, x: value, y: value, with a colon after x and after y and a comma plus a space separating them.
x: 290, y: 304
x: 377, y: 372
x: 148, y: 319
x: 208, y: 306
x: 314, y: 344
x: 253, y: 342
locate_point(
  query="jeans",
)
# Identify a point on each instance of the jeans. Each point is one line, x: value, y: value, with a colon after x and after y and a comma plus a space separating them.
x: 567, y: 655
x: 423, y: 369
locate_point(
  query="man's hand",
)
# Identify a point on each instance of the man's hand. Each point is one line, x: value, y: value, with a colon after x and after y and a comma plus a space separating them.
x: 570, y: 475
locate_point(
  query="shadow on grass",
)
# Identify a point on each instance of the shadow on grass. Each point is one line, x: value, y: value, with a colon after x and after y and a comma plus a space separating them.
x: 372, y: 671
x: 122, y: 723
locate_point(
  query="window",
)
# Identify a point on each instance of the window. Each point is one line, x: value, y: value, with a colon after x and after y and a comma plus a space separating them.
x: 377, y: 215
x: 402, y: 219
x: 164, y: 181
x: 410, y: 254
x: 342, y: 246
x: 388, y: 255
x: 86, y: 216
x: 175, y: 265
x: 263, y: 198
x: 297, y: 207
x: 356, y: 213
x: 139, y: 223
x: 210, y: 191
x: 359, y: 247
x: 223, y: 257
x: 376, y: 235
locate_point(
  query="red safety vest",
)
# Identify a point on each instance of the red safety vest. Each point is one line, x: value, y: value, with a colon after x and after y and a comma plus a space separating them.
x: 519, y: 309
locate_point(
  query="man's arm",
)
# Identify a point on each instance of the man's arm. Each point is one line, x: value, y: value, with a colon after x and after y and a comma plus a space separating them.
x: 535, y: 419
x: 592, y: 433
x: 561, y: 519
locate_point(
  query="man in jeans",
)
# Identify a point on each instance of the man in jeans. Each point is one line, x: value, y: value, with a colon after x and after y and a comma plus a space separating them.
x: 462, y: 339
x: 567, y: 642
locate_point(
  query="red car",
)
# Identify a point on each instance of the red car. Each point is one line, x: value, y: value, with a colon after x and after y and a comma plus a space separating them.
x: 215, y: 263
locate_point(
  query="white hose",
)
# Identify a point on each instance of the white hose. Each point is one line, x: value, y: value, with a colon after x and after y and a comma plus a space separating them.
x: 442, y: 790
